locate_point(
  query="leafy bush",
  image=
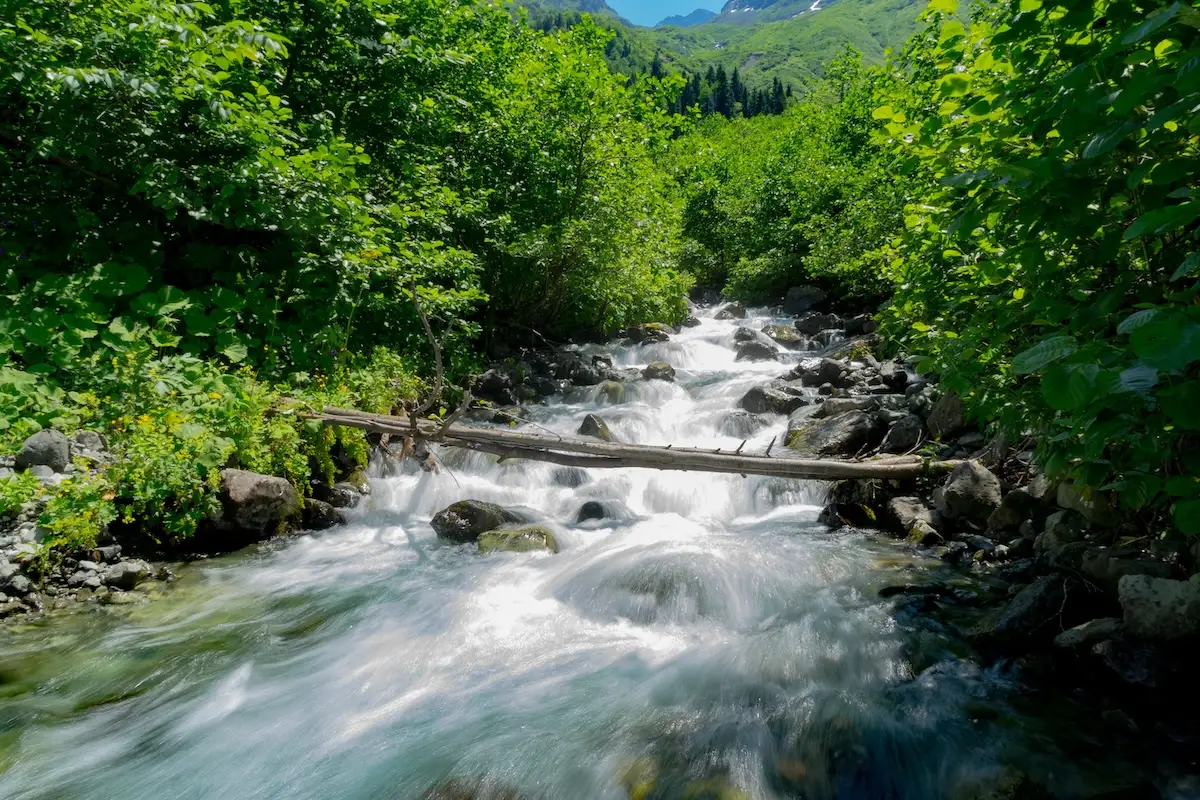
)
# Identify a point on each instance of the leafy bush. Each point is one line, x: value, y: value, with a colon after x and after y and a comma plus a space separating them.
x: 16, y: 491
x: 1049, y: 272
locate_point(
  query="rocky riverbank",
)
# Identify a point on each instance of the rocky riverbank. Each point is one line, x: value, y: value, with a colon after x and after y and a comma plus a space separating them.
x: 129, y: 565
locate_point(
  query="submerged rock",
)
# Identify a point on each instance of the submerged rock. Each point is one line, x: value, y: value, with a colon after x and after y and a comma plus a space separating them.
x: 466, y: 520
x: 596, y: 427
x: 659, y: 371
x: 479, y: 789
x: 518, y: 540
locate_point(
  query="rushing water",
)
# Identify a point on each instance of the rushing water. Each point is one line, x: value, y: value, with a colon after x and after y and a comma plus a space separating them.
x: 711, y: 629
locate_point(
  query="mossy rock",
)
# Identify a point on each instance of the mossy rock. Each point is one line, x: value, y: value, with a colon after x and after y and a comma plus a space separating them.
x: 518, y: 540
x: 596, y: 427
x: 612, y: 392
x: 639, y: 777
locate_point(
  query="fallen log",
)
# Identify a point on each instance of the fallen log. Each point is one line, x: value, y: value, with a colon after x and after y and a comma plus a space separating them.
x: 552, y: 448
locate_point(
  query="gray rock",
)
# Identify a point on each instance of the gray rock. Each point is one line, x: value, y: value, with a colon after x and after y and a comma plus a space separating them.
x: 1089, y: 633
x: 592, y: 509
x: 812, y: 323
x: 659, y: 371
x: 907, y: 511
x: 518, y: 540
x: 90, y: 441
x: 1136, y: 662
x: 46, y: 448
x: 78, y: 578
x: 756, y: 351
x: 771, y: 400
x: 88, y: 566
x: 1160, y: 608
x: 1062, y: 528
x: 1036, y: 610
x: 893, y: 376
x: 952, y: 551
x: 109, y: 554
x: 802, y: 298
x: 843, y: 435
x: 979, y: 543
x: 649, y: 333
x: 1013, y: 509
x: 16, y: 585
x: 596, y: 427
x: 466, y: 520
x: 971, y: 492
x: 904, y: 434
x: 1105, y: 566
x: 340, y: 495
x: 826, y: 370
x: 126, y: 574
x: 734, y: 310
x: 863, y: 323
x: 1093, y: 505
x: 320, y: 515
x: 254, y: 503
x: 741, y: 335
x: 840, y: 405
x: 923, y: 533
x: 692, y: 322
x: 784, y: 335
x: 947, y: 417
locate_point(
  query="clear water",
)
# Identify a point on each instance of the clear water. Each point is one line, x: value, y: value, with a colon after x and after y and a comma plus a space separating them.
x: 714, y: 629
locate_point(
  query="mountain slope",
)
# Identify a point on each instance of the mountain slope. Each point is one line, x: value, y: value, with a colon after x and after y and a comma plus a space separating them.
x: 796, y: 47
x: 697, y: 17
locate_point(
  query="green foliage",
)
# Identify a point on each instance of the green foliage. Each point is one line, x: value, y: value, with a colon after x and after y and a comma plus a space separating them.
x: 772, y: 203
x: 1048, y: 269
x: 16, y: 491
x: 77, y: 513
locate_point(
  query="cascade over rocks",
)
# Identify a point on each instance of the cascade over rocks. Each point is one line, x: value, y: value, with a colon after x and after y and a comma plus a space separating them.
x: 659, y: 371
x: 782, y: 334
x: 466, y: 520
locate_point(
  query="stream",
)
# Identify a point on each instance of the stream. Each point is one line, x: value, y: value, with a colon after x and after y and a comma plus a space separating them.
x: 708, y: 635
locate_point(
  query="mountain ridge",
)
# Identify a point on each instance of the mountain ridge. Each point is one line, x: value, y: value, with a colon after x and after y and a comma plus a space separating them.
x: 697, y: 17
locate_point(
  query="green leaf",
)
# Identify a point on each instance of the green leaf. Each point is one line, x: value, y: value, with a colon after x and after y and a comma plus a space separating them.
x: 1137, y: 319
x: 944, y: 6
x: 1187, y: 267
x: 1181, y: 404
x: 1107, y: 140
x: 1069, y: 387
x: 1169, y: 343
x: 113, y: 279
x: 236, y: 352
x: 1161, y: 220
x: 1152, y: 23
x: 1187, y: 516
x: 1043, y: 353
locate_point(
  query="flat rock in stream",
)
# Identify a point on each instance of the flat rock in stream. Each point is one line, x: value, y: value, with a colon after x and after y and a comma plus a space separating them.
x: 842, y: 435
x: 769, y: 399
x: 756, y: 351
x: 518, y: 540
x: 466, y: 520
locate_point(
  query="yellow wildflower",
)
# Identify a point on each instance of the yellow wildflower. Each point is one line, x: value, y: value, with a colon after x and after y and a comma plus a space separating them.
x: 214, y: 395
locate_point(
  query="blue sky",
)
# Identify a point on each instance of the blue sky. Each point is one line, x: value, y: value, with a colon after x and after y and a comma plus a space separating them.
x: 649, y: 12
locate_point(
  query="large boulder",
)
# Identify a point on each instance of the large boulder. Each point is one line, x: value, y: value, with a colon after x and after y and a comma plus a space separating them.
x: 842, y: 435
x: 826, y: 370
x: 518, y: 540
x: 904, y: 434
x: 649, y: 333
x: 840, y: 405
x: 784, y: 335
x: 320, y: 515
x: 813, y: 323
x: 495, y: 385
x: 802, y: 298
x: 595, y: 427
x: 772, y: 400
x: 947, y: 417
x: 734, y: 310
x: 466, y: 520
x: 659, y: 371
x: 127, y: 574
x: 1093, y: 505
x: 971, y: 492
x: 47, y: 448
x: 1160, y: 608
x: 256, y: 504
x: 1041, y: 610
x: 756, y: 351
